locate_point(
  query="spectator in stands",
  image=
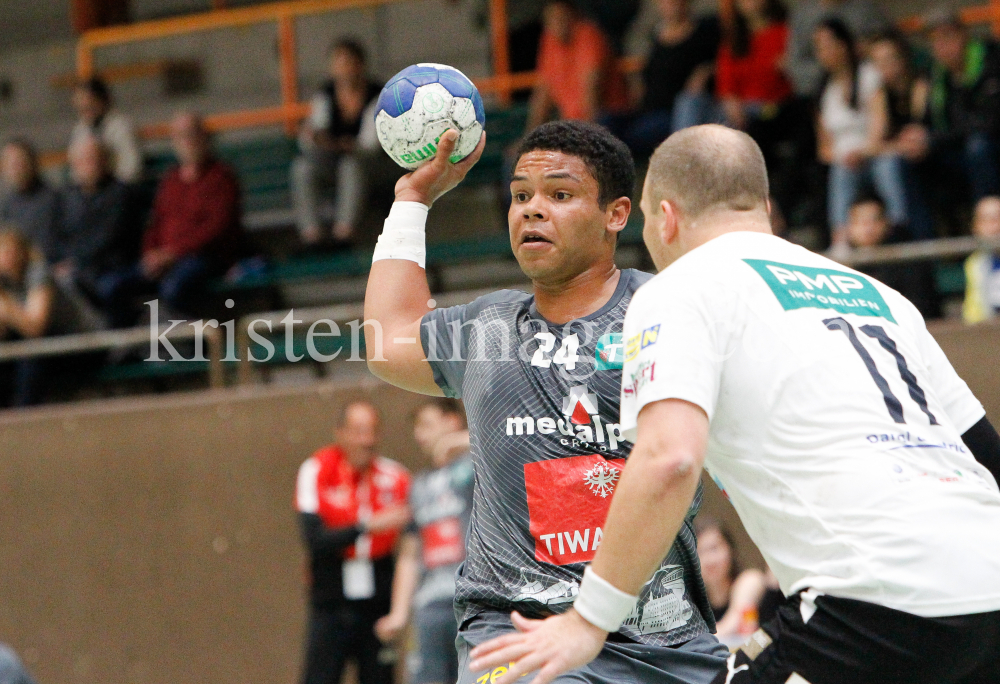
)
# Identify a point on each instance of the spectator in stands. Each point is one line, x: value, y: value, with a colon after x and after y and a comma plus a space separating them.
x: 92, y: 101
x: 98, y: 236
x: 733, y: 593
x: 868, y: 226
x: 754, y: 91
x: 352, y: 507
x: 862, y: 17
x: 750, y: 81
x: 431, y: 552
x: 11, y: 669
x: 850, y: 140
x: 328, y: 165
x: 982, y: 268
x: 964, y: 105
x: 194, y: 232
x: 674, y: 90
x: 614, y: 18
x: 898, y: 111
x: 578, y: 74
x: 28, y: 203
x: 26, y: 299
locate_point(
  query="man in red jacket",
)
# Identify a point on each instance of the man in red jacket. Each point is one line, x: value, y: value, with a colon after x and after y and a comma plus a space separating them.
x: 194, y: 232
x: 352, y: 508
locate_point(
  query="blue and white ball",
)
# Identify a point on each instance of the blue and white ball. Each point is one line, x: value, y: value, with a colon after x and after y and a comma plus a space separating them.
x: 419, y: 104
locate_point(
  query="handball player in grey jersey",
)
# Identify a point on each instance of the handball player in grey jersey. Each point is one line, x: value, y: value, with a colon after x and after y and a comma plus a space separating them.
x: 540, y: 376
x: 434, y: 546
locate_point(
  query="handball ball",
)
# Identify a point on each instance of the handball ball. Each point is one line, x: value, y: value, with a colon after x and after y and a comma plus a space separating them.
x: 419, y: 104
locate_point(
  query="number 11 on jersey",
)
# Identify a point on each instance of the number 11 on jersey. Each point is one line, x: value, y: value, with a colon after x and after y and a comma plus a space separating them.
x: 892, y: 402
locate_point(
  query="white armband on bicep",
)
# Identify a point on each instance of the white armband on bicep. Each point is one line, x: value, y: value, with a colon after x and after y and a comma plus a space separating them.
x: 403, y: 236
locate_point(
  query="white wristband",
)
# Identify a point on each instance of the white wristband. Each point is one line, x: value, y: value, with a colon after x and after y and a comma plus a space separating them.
x: 601, y: 603
x: 403, y: 234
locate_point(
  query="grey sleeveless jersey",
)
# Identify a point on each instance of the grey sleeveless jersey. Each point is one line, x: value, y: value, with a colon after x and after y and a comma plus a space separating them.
x: 542, y: 402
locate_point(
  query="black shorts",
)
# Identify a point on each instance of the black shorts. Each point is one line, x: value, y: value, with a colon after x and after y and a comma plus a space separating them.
x: 853, y: 642
x: 620, y: 662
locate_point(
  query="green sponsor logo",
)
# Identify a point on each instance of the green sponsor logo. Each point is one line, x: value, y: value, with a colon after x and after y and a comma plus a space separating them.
x: 802, y: 287
x: 610, y: 352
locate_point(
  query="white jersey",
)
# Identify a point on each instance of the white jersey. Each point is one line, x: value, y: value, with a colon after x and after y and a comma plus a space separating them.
x: 835, y: 423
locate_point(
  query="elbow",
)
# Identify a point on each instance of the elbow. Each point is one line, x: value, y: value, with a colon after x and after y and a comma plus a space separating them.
x: 673, y: 470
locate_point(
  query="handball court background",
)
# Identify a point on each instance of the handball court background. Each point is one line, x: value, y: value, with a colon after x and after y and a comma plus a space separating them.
x: 154, y: 539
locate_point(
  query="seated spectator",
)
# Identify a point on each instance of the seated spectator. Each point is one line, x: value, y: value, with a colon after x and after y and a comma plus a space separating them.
x: 749, y: 80
x: 92, y: 101
x: 674, y: 90
x: 194, y: 233
x: 98, y: 237
x: 862, y: 17
x: 754, y: 92
x: 964, y: 106
x: 732, y: 593
x: 26, y: 299
x: 328, y: 166
x: 578, y: 75
x: 28, y: 203
x: 614, y: 18
x: 982, y: 268
x: 898, y: 111
x: 868, y: 226
x: 845, y: 134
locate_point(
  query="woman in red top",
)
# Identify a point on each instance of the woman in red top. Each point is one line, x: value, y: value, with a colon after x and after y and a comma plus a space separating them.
x: 749, y: 79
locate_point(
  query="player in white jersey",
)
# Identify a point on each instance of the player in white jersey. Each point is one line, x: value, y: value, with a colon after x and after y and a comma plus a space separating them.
x: 858, y: 460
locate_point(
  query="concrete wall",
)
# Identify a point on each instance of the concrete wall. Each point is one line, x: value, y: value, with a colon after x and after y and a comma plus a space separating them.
x: 153, y: 541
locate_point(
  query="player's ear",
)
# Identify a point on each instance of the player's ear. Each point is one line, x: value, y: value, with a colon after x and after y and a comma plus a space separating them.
x: 617, y: 213
x: 670, y: 228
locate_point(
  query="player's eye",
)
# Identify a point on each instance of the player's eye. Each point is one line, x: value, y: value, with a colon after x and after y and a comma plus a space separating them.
x: 521, y: 196
x: 562, y: 195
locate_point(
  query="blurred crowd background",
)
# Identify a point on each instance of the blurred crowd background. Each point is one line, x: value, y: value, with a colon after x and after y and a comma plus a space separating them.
x: 874, y: 136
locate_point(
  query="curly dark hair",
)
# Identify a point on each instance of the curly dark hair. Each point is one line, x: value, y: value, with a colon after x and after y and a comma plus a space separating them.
x: 607, y: 157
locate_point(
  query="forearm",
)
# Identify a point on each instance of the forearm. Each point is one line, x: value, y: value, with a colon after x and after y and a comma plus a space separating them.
x: 396, y: 301
x: 322, y: 539
x: 406, y: 576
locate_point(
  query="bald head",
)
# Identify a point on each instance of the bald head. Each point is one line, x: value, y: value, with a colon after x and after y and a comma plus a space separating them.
x: 708, y: 168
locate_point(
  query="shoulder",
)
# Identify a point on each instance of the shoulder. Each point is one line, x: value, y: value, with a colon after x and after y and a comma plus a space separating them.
x: 494, y: 300
x: 396, y: 471
x: 117, y: 122
x: 868, y: 77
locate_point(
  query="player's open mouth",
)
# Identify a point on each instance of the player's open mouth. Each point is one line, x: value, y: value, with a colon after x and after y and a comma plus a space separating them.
x: 534, y: 238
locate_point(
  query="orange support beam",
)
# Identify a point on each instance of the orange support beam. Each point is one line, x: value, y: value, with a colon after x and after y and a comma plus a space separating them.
x: 288, y: 57
x: 501, y: 46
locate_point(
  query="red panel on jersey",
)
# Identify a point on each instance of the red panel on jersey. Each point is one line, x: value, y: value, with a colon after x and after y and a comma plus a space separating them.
x: 442, y: 542
x: 568, y: 501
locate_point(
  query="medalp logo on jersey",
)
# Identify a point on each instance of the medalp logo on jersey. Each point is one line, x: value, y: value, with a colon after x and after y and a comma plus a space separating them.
x: 580, y: 426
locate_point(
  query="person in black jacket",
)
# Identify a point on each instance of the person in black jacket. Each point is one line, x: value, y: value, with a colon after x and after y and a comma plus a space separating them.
x: 328, y: 166
x: 961, y: 137
x: 98, y: 237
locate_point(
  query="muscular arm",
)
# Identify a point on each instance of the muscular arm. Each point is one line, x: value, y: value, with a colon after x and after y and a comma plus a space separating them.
x: 651, y: 500
x: 397, y: 294
x: 984, y: 443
